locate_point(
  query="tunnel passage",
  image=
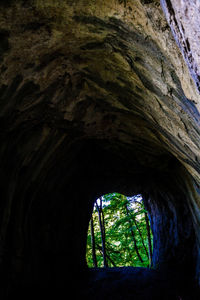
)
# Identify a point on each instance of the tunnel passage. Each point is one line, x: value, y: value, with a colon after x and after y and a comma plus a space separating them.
x: 94, y: 98
x: 56, y: 221
x: 174, y: 239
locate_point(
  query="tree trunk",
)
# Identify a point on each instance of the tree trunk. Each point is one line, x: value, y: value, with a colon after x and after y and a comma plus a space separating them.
x: 149, y: 238
x: 140, y: 234
x: 107, y: 256
x: 94, y: 258
x: 102, y: 229
x: 133, y: 235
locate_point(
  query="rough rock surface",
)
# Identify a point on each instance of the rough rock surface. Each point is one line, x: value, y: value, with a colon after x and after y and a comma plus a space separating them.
x: 96, y: 97
x: 183, y: 18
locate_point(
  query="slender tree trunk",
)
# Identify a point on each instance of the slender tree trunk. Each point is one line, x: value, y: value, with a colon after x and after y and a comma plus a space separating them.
x: 133, y: 236
x: 102, y: 229
x: 103, y: 220
x: 94, y: 258
x: 107, y: 256
x: 140, y: 234
x: 149, y: 238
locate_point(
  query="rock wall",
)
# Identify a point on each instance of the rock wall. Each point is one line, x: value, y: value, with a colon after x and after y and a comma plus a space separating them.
x: 95, y: 97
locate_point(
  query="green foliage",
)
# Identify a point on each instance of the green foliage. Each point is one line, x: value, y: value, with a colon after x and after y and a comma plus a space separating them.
x: 123, y: 218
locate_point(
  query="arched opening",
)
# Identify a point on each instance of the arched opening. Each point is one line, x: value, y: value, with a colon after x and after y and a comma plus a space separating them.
x: 96, y: 98
x: 119, y: 233
x: 57, y: 223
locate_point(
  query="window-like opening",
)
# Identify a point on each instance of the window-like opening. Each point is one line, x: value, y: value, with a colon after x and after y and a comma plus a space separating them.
x: 119, y: 233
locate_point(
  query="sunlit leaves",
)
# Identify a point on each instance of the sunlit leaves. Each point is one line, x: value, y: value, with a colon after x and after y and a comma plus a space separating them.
x: 123, y: 218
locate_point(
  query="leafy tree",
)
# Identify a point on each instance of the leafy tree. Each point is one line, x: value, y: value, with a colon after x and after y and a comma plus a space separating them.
x: 119, y: 233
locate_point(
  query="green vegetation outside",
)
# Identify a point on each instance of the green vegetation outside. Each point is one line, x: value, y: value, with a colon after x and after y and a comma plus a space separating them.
x: 119, y: 233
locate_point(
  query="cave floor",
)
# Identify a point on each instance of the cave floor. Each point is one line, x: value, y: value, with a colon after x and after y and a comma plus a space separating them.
x: 122, y: 283
x: 126, y: 283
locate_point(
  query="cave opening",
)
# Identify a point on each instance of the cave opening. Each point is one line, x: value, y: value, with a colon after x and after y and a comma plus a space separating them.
x: 119, y: 233
x: 174, y: 243
x: 56, y: 246
x: 95, y: 97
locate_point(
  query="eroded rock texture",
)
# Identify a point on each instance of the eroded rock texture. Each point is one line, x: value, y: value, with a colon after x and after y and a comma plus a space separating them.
x: 183, y: 18
x: 96, y: 97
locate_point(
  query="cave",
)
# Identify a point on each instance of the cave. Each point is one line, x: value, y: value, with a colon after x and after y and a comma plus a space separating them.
x: 98, y: 97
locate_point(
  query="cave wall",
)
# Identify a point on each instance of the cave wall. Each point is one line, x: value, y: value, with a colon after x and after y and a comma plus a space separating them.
x: 94, y: 98
x: 183, y: 18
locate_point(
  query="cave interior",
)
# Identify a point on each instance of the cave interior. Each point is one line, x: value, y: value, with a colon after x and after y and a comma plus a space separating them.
x: 95, y: 99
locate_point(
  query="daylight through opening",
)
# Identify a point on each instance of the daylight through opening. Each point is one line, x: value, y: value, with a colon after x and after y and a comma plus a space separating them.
x: 119, y: 233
